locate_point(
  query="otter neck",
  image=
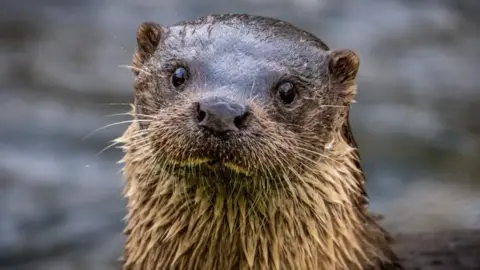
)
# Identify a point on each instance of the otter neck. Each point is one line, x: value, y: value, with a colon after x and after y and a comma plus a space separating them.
x: 315, y: 224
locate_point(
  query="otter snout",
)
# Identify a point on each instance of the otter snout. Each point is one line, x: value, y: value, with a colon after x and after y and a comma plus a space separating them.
x: 220, y: 115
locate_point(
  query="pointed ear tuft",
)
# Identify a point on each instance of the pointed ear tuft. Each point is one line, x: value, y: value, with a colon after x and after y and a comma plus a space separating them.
x: 343, y: 66
x: 148, y: 38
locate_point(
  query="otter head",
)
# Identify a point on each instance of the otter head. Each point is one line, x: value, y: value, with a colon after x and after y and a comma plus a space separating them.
x: 241, y: 153
x: 222, y: 103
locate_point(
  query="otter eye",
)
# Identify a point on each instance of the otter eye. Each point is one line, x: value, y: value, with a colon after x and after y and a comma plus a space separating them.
x: 179, y: 77
x: 286, y: 92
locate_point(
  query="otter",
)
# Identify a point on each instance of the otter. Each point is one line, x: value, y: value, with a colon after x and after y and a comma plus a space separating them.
x: 241, y: 155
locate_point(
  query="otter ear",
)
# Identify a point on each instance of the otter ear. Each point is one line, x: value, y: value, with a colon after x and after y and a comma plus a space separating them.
x: 148, y: 38
x: 343, y: 66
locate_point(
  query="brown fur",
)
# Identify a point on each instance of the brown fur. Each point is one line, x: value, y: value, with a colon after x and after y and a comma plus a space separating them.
x: 303, y: 206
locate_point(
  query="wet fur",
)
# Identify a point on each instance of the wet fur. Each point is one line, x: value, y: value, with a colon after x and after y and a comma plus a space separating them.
x: 303, y: 207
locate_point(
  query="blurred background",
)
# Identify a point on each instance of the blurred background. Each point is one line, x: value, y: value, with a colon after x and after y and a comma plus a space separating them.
x: 416, y: 120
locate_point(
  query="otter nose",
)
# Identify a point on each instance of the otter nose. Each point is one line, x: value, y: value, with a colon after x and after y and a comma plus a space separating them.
x: 221, y: 115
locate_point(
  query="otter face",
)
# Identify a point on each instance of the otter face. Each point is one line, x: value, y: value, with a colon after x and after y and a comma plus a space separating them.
x: 219, y: 101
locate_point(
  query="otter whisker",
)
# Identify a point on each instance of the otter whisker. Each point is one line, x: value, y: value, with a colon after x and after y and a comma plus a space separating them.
x: 135, y: 68
x: 115, y: 124
x: 307, y: 147
x: 116, y: 143
x: 114, y: 104
x: 140, y: 143
x: 140, y: 136
x: 314, y: 153
x: 131, y: 114
x: 333, y: 106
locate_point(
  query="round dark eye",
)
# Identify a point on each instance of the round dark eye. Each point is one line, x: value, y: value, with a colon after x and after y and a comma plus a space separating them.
x: 179, y: 77
x: 286, y: 92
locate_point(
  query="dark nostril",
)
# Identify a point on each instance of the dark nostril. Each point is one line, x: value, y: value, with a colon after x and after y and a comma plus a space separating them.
x: 242, y: 120
x: 200, y: 113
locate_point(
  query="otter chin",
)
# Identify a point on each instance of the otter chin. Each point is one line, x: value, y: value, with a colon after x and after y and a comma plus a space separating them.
x: 241, y: 155
x: 211, y: 164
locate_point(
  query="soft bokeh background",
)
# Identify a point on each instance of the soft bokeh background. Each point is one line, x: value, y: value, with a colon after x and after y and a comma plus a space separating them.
x: 417, y: 116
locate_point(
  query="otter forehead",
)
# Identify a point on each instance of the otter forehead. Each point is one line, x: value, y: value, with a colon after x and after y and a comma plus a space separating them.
x: 242, y: 56
x: 244, y: 40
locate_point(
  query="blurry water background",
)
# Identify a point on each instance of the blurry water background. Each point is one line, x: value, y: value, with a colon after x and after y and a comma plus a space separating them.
x: 416, y: 120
